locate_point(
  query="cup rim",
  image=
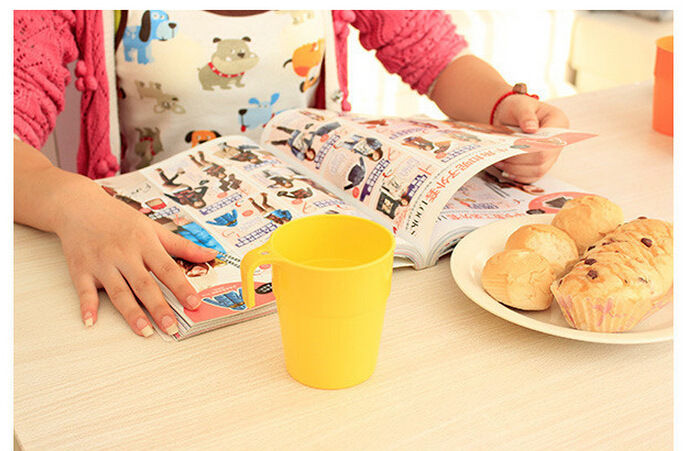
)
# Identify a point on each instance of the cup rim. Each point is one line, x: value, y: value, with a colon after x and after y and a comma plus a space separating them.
x: 330, y: 217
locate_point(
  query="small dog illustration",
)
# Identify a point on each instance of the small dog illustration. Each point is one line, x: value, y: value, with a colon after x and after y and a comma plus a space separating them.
x: 259, y: 115
x: 155, y: 25
x: 163, y: 102
x: 228, y: 64
x: 148, y: 145
x: 196, y: 137
x: 306, y: 61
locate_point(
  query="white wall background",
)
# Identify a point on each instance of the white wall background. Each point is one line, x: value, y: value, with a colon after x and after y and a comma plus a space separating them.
x: 524, y: 46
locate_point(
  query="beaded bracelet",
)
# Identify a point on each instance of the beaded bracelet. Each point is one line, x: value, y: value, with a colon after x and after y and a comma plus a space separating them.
x: 519, y: 88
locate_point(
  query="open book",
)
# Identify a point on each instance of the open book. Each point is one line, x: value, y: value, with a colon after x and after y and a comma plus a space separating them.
x: 428, y: 181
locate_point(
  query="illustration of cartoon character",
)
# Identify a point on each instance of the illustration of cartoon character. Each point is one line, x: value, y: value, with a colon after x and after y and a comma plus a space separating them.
x: 200, y: 275
x: 418, y: 142
x: 356, y: 174
x: 211, y: 169
x: 366, y: 146
x: 300, y: 142
x: 278, y: 216
x: 229, y: 219
x: 387, y: 204
x: 155, y: 26
x: 169, y: 182
x: 163, y: 102
x: 306, y: 60
x: 241, y: 153
x: 196, y: 137
x: 300, y: 193
x: 228, y: 64
x: 126, y: 199
x: 258, y: 115
x: 226, y: 181
x: 193, y: 197
x: 148, y: 145
x: 231, y: 300
x: 280, y: 181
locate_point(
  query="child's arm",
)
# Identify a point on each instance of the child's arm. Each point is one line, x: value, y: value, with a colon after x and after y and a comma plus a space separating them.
x: 468, y: 89
x: 106, y: 242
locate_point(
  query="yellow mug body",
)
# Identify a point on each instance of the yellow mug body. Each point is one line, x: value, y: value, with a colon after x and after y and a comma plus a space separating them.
x: 331, y: 276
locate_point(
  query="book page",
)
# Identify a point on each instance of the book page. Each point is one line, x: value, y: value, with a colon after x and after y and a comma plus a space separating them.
x: 489, y: 197
x: 227, y: 194
x: 403, y: 171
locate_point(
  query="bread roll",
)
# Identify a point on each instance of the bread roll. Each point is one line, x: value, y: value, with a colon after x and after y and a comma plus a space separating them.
x: 519, y: 278
x: 547, y: 241
x: 587, y: 219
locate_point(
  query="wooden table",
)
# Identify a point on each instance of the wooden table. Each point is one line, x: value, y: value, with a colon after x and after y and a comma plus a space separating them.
x: 450, y: 375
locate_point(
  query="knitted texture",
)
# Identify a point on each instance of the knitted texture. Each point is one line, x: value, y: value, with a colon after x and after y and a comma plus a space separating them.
x: 91, y: 75
x: 43, y: 45
x: 416, y: 45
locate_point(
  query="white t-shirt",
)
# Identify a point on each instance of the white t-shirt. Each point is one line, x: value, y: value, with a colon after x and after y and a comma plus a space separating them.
x: 185, y: 77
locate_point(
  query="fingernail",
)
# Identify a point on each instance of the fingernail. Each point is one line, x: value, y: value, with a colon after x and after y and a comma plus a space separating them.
x: 530, y: 124
x: 194, y: 302
x: 144, y: 326
x: 506, y: 174
x: 87, y: 319
x: 169, y: 324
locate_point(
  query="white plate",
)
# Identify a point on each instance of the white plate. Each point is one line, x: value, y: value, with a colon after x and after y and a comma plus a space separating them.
x: 477, y: 247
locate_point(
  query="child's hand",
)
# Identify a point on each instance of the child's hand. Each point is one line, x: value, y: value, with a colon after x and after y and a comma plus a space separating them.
x: 112, y: 245
x: 529, y: 114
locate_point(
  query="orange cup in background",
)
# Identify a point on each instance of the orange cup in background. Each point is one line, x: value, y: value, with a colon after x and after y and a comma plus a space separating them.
x: 663, y: 104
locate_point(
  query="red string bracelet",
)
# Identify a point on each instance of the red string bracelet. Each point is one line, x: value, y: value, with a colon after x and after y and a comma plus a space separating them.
x: 519, y: 88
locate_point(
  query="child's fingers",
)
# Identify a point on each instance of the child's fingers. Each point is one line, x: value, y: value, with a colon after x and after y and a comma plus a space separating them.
x: 172, y: 276
x: 147, y: 290
x: 180, y: 247
x: 122, y: 297
x: 89, y: 299
x: 524, y: 173
x: 520, y: 111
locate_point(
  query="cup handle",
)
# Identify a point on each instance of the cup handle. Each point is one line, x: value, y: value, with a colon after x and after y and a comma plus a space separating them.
x: 254, y: 258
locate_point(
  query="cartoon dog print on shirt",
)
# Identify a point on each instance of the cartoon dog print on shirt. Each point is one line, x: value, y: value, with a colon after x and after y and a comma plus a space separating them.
x: 155, y: 26
x: 306, y: 62
x: 228, y: 64
x: 258, y: 114
x: 163, y: 101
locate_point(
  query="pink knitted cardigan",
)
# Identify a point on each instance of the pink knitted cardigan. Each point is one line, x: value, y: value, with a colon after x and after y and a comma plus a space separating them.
x: 416, y: 45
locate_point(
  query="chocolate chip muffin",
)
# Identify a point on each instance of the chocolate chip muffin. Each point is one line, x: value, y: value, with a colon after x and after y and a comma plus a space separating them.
x: 621, y: 279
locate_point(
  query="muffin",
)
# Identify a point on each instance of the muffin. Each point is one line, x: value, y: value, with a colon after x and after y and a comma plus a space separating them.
x: 621, y: 279
x: 547, y: 241
x: 587, y: 219
x: 519, y: 278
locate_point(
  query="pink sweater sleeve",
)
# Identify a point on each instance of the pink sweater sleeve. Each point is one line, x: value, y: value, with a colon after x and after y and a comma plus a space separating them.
x: 416, y: 45
x: 43, y: 46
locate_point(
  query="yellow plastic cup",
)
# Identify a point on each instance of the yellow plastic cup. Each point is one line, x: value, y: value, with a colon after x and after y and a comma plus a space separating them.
x: 331, y: 276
